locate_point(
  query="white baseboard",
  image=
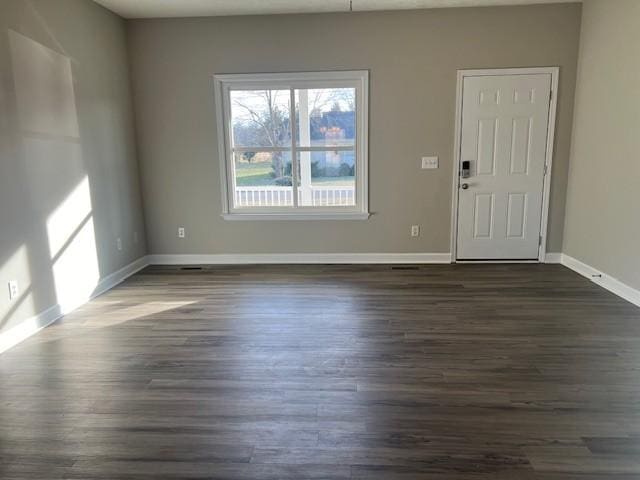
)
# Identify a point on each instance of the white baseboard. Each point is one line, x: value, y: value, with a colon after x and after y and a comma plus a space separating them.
x: 29, y: 327
x: 113, y: 279
x: 553, y: 258
x: 34, y: 324
x: 605, y: 281
x: 289, y: 258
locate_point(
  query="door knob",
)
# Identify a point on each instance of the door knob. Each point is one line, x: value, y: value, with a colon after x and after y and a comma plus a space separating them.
x: 464, y: 186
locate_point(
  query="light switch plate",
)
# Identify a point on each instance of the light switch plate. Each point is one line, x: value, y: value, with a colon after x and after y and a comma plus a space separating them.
x: 429, y: 162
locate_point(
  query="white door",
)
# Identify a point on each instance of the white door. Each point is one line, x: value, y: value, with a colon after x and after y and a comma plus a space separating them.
x: 505, y: 121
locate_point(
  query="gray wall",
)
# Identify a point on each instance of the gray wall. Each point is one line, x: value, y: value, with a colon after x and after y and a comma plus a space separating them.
x: 69, y: 177
x: 603, y: 199
x: 413, y: 57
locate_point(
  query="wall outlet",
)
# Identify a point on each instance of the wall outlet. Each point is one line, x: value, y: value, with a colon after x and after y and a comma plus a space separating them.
x: 119, y: 243
x: 181, y: 232
x: 415, y: 230
x: 429, y: 162
x: 13, y: 289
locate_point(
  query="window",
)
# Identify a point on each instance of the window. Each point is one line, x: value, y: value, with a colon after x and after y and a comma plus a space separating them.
x: 294, y: 145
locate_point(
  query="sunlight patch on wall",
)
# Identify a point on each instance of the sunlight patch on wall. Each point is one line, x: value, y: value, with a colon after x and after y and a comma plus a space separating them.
x: 58, y: 181
x: 73, y: 250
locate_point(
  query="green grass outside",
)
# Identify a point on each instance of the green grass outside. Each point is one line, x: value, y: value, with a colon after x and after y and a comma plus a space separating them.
x: 258, y: 174
x: 253, y: 174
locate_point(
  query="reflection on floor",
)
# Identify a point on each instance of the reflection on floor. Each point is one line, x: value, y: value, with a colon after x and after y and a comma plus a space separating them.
x: 331, y: 372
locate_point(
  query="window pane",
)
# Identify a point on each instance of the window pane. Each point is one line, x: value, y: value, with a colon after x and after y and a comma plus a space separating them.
x: 326, y: 178
x: 260, y: 118
x: 262, y: 179
x: 325, y: 116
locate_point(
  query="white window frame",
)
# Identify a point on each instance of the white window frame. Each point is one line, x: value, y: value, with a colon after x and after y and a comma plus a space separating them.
x: 357, y: 79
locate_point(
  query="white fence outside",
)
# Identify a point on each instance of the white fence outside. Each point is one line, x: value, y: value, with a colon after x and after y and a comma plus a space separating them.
x: 321, y: 196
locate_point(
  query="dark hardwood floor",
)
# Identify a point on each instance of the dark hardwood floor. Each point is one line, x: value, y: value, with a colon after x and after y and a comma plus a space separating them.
x: 460, y: 372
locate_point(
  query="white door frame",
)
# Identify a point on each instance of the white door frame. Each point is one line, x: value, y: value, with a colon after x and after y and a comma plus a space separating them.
x: 462, y: 74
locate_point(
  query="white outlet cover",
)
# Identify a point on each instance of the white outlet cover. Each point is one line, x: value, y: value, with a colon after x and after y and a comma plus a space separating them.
x: 415, y: 230
x: 13, y: 289
x: 181, y: 232
x: 429, y: 162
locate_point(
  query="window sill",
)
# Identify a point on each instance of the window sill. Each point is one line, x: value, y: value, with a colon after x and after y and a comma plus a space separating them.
x: 296, y: 216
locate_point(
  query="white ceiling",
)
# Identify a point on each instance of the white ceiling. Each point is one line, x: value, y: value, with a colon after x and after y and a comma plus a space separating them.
x: 202, y: 8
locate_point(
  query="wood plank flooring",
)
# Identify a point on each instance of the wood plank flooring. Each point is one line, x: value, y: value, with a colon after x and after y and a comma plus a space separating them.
x: 457, y: 372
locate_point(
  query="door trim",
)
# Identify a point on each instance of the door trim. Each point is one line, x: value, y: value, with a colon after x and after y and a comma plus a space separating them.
x: 546, y: 188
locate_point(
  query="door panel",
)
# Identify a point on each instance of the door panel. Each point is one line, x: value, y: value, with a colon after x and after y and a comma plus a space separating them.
x: 504, y: 136
x: 516, y: 213
x: 487, y: 131
x: 520, y: 145
x: 483, y: 215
